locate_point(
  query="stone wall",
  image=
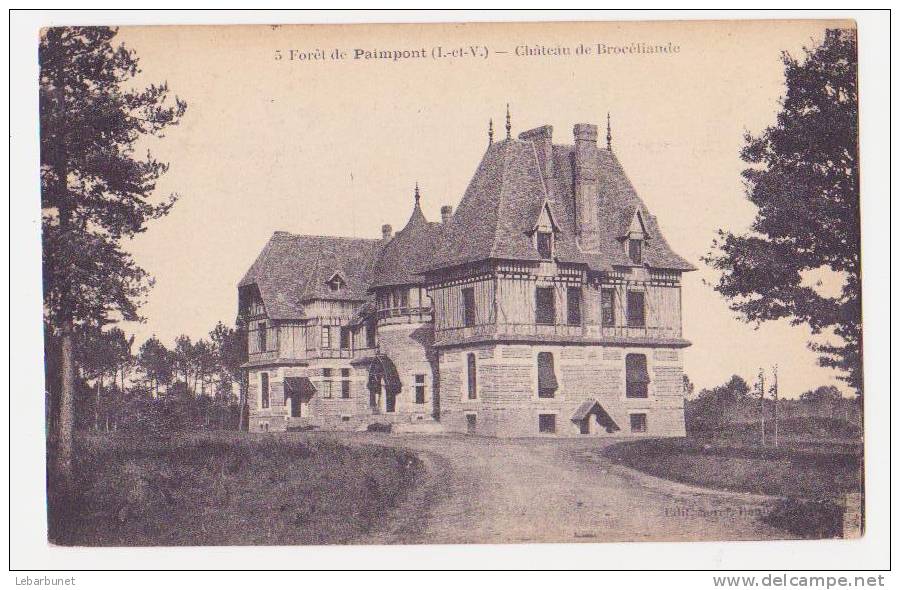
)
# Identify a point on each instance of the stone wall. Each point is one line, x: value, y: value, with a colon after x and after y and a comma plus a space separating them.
x: 408, y: 346
x: 507, y: 403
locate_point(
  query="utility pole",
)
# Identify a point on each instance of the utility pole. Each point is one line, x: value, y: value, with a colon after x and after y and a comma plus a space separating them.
x: 762, y: 406
x: 775, y: 395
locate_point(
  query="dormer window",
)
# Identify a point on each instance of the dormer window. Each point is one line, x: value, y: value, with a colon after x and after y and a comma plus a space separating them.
x: 635, y: 250
x: 635, y: 238
x: 543, y: 232
x: 545, y: 244
x: 336, y: 282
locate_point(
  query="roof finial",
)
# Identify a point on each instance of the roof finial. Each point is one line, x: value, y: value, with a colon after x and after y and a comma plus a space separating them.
x: 490, y: 131
x: 608, y: 133
x: 417, y: 192
x: 508, y: 124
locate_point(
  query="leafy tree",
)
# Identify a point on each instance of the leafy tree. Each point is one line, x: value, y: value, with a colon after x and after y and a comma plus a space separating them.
x: 687, y: 386
x: 205, y: 365
x: 183, y: 355
x: 822, y: 394
x: 230, y: 347
x: 101, y: 354
x: 95, y: 191
x: 155, y: 361
x: 804, y: 180
x: 712, y: 407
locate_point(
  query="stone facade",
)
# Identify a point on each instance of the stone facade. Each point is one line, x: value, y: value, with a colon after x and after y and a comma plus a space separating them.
x: 507, y: 403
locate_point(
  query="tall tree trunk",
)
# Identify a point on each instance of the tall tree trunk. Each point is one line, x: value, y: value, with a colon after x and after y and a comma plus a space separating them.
x: 66, y: 422
x: 98, y: 385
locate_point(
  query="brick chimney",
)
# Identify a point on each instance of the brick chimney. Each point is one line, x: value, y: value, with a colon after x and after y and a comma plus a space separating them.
x: 386, y: 232
x: 587, y: 192
x: 446, y: 212
x: 542, y: 138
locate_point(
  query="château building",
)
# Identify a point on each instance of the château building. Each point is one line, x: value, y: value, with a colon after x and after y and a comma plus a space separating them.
x: 548, y: 303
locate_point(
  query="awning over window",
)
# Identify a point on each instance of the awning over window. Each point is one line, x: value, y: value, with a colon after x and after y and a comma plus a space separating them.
x: 382, y: 370
x: 592, y: 407
x: 299, y: 386
x: 546, y: 375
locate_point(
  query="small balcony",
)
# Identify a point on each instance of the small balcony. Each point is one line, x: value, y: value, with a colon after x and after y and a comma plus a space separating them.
x: 563, y: 333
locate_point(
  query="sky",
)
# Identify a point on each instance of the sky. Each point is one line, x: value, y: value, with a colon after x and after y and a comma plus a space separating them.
x: 335, y: 147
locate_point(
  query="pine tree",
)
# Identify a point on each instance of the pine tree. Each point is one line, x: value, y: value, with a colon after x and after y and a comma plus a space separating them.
x: 95, y: 192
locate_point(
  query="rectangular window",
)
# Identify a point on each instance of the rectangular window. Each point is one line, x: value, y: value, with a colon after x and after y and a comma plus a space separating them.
x: 547, y: 423
x: 345, y: 338
x: 404, y: 298
x: 634, y: 251
x: 470, y: 365
x: 468, y: 296
x: 638, y: 422
x: 326, y: 383
x: 261, y: 337
x: 471, y: 423
x: 264, y: 390
x: 420, y: 389
x: 345, y: 383
x: 326, y: 337
x: 573, y: 305
x: 370, y: 334
x: 544, y: 308
x: 547, y: 384
x: 545, y: 245
x: 636, y: 317
x: 608, y: 307
x: 636, y: 376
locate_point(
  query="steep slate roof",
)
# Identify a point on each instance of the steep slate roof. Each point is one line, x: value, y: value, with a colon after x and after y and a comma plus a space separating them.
x: 494, y: 220
x: 505, y: 196
x: 408, y: 252
x: 294, y: 269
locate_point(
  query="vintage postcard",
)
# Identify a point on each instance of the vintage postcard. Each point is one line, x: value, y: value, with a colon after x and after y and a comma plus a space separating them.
x: 571, y: 282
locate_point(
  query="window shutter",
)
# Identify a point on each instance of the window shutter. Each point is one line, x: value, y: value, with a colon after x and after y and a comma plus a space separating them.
x: 547, y: 383
x: 545, y: 310
x: 636, y: 375
x: 473, y: 391
x: 608, y: 309
x: 573, y: 304
x: 468, y: 306
x: 636, y: 317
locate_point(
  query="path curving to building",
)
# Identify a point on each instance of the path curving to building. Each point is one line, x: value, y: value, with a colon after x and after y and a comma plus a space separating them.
x: 482, y: 490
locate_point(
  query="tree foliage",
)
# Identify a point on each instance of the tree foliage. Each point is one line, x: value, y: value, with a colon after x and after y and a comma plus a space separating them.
x: 119, y: 391
x: 712, y: 407
x: 95, y: 190
x: 804, y: 180
x: 822, y: 394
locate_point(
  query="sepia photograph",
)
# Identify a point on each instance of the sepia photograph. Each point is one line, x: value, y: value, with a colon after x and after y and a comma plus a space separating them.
x: 451, y: 283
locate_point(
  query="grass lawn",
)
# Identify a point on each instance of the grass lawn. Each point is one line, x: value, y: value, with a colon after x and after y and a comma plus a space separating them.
x: 811, y: 474
x: 231, y: 489
x: 825, y: 472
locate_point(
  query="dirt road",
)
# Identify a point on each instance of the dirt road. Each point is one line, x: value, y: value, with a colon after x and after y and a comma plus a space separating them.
x: 481, y: 490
